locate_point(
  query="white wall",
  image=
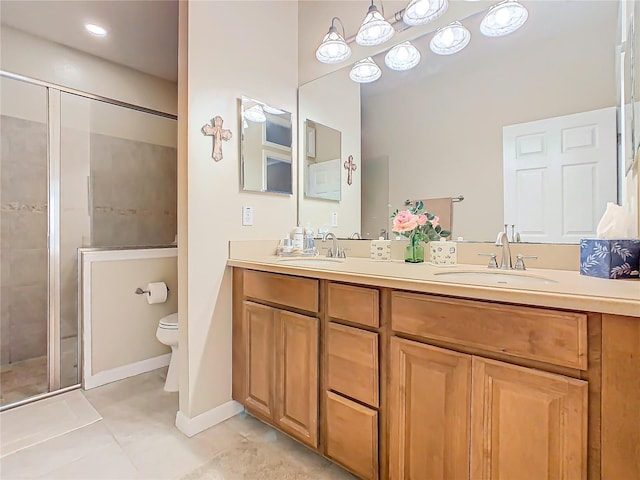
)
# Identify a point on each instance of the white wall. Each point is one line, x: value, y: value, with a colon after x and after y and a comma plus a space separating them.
x: 234, y: 49
x: 439, y: 146
x: 120, y: 326
x: 34, y: 57
x: 333, y: 101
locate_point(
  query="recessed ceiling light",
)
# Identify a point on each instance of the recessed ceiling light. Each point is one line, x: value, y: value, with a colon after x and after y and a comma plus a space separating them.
x: 95, y: 30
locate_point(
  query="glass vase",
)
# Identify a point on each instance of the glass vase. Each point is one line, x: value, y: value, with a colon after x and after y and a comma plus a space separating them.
x: 414, y: 253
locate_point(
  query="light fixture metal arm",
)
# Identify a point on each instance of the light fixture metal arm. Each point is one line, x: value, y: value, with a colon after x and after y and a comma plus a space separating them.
x: 341, y: 24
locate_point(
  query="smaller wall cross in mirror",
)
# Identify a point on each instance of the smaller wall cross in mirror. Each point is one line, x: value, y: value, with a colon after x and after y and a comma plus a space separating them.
x: 350, y: 166
x: 216, y: 131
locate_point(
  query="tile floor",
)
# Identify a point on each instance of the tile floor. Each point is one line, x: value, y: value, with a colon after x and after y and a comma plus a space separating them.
x: 28, y: 378
x: 137, y: 439
x: 22, y: 380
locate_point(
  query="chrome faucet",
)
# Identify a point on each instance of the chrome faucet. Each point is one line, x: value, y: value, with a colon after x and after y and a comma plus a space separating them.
x: 503, y: 241
x: 355, y: 236
x: 335, y: 251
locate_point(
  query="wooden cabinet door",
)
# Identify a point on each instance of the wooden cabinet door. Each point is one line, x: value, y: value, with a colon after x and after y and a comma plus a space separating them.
x: 429, y: 412
x: 352, y: 435
x: 527, y: 424
x: 297, y: 376
x: 259, y: 375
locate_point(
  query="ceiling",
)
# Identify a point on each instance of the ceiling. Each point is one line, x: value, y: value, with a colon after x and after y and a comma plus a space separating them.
x: 142, y: 34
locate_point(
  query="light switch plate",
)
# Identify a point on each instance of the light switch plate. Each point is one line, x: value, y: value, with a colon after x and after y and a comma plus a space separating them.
x: 247, y: 216
x: 334, y: 219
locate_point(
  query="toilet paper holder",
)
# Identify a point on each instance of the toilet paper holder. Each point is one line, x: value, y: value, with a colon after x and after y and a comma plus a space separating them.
x: 140, y: 291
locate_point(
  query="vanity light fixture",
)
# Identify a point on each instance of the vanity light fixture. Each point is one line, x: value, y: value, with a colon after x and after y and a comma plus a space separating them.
x: 96, y: 30
x: 450, y: 39
x: 255, y: 114
x: 403, y: 56
x: 419, y: 12
x: 365, y: 71
x: 374, y: 29
x: 333, y: 48
x: 503, y: 18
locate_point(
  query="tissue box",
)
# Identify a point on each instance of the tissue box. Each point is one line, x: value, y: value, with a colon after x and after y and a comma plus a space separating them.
x: 610, y: 258
x: 443, y: 253
x: 381, y: 250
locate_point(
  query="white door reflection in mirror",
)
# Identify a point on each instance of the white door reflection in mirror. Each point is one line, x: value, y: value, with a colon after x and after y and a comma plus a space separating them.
x: 322, y: 161
x: 266, y: 160
x: 559, y: 174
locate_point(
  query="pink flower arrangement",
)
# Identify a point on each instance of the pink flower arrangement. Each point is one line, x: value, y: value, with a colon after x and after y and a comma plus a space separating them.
x: 418, y: 225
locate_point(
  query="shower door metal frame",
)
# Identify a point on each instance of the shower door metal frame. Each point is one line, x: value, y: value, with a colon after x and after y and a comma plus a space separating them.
x: 53, y: 238
x: 54, y: 161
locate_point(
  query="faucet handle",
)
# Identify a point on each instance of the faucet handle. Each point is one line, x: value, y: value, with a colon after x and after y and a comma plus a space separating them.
x: 520, y: 261
x: 341, y: 253
x: 493, y: 262
x: 329, y: 251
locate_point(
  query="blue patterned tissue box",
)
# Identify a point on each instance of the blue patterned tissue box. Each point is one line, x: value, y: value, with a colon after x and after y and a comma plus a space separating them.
x: 610, y: 258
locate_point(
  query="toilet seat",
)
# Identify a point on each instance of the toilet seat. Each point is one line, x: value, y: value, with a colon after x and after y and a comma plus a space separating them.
x: 170, y: 322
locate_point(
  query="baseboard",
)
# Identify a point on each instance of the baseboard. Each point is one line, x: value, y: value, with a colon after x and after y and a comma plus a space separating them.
x: 108, y: 376
x: 192, y: 426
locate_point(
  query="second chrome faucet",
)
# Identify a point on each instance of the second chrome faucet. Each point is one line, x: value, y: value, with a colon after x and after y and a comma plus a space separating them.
x: 503, y: 241
x: 505, y: 262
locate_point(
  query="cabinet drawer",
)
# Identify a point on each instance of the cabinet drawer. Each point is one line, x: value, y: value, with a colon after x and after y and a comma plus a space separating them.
x: 356, y: 304
x: 294, y: 292
x: 353, y: 363
x: 539, y: 334
x: 352, y: 436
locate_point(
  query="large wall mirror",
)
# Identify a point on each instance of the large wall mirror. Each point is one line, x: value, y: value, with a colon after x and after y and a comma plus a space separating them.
x: 265, y: 148
x: 442, y: 129
x: 322, y: 161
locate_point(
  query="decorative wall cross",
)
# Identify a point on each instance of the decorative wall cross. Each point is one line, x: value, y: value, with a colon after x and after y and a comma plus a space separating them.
x: 216, y: 131
x: 350, y: 166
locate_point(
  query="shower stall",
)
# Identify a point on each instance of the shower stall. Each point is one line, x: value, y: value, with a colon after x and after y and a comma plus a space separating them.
x: 76, y: 170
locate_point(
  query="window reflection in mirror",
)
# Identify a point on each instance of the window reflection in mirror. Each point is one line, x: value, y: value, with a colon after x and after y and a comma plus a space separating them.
x: 265, y: 148
x: 322, y: 161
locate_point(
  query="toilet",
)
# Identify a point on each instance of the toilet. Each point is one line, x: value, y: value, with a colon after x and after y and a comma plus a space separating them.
x: 167, y: 334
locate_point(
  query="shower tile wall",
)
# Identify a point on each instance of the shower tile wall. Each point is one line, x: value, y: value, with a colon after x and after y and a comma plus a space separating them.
x: 134, y: 192
x: 23, y: 225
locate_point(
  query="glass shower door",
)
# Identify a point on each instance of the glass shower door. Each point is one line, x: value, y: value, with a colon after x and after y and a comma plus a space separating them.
x: 24, y: 255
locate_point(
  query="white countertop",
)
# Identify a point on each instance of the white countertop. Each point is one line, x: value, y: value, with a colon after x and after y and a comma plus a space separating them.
x: 551, y: 288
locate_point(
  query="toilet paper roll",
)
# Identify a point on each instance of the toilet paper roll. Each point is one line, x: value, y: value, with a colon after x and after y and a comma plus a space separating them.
x: 156, y: 292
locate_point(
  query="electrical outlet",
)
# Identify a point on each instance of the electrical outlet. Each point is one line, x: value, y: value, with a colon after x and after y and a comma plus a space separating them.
x: 334, y: 219
x: 247, y: 216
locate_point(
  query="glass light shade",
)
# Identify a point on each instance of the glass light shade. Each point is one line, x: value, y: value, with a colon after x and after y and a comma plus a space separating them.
x: 419, y: 12
x: 450, y: 39
x: 503, y: 18
x: 255, y: 114
x: 374, y: 29
x: 402, y: 57
x: 365, y: 71
x: 333, y: 48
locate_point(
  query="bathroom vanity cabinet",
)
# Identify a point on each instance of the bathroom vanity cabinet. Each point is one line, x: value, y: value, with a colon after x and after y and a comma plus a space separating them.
x: 277, y: 350
x: 455, y: 412
x: 398, y: 384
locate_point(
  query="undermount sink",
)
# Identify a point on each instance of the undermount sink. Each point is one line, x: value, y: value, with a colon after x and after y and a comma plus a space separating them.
x: 496, y: 277
x: 310, y: 261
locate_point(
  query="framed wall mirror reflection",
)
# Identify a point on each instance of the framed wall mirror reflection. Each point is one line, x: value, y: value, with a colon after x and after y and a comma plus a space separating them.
x: 265, y: 148
x: 322, y: 163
